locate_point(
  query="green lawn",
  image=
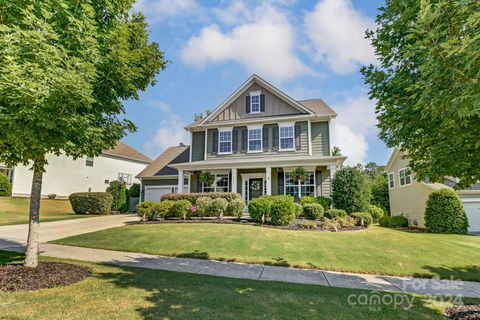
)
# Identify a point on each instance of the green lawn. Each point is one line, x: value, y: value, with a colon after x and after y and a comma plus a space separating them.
x: 377, y: 250
x: 131, y: 293
x: 15, y: 210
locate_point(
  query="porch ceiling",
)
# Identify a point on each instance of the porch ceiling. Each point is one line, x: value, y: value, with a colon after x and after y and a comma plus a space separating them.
x: 245, y: 163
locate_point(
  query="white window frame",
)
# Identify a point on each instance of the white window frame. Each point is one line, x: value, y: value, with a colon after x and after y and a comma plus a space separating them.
x: 391, y: 182
x: 251, y: 128
x: 286, y: 125
x: 301, y: 184
x: 405, y: 177
x: 214, y: 185
x: 255, y: 94
x: 89, y: 159
x: 223, y: 130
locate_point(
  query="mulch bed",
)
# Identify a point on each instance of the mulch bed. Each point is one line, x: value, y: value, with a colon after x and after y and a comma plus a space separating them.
x: 468, y: 312
x: 16, y: 277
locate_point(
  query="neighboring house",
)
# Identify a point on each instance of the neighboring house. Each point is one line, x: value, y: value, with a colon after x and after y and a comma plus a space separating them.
x: 408, y: 197
x: 64, y: 176
x: 251, y: 142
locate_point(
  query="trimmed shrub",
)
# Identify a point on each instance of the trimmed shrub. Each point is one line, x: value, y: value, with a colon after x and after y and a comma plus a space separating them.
x: 325, y: 202
x: 307, y: 199
x: 375, y: 212
x: 91, y: 202
x: 350, y: 190
x: 312, y: 211
x: 192, y: 197
x: 164, y: 208
x: 384, y: 221
x: 147, y: 210
x: 218, y: 207
x: 282, y: 210
x: 398, y: 222
x: 445, y: 213
x: 203, y: 206
x: 307, y: 224
x: 362, y: 218
x: 335, y: 213
x: 181, y: 209
x: 259, y: 207
x: 134, y: 190
x: 5, y: 186
x: 235, y: 208
x: 119, y: 196
x: 298, y: 209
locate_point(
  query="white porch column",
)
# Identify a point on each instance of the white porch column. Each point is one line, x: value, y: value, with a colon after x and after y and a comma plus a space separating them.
x: 268, y: 178
x: 332, y: 169
x: 234, y: 180
x: 180, y: 181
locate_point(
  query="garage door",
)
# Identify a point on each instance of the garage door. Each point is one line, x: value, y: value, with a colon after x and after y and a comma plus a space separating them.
x: 155, y: 192
x: 472, y: 209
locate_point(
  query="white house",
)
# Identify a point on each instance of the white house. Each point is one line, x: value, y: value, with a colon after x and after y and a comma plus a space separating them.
x: 64, y: 176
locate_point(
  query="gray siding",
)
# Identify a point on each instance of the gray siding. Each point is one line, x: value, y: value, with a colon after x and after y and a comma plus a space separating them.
x: 320, y: 140
x: 303, y: 150
x: 198, y: 145
x: 274, y: 106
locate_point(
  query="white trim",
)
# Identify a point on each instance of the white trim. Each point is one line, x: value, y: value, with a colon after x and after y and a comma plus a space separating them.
x: 205, y: 149
x: 222, y: 130
x: 250, y: 128
x: 329, y: 139
x: 400, y: 180
x: 255, y: 94
x: 233, y: 181
x: 300, y: 185
x: 246, y: 181
x: 309, y: 127
x: 268, y: 180
x: 225, y: 129
x: 393, y: 180
x: 280, y: 137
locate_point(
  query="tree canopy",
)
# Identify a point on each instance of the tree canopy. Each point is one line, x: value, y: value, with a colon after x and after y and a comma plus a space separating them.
x: 427, y: 85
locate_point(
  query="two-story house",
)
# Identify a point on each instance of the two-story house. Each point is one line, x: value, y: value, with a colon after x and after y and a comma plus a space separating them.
x: 251, y: 143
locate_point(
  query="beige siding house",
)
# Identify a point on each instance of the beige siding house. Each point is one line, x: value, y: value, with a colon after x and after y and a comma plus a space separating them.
x: 251, y: 143
x: 408, y: 196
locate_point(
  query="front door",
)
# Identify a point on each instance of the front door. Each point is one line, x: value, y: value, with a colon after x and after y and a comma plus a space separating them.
x: 255, y: 187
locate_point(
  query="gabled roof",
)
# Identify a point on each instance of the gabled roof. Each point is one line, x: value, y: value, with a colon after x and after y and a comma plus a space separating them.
x: 160, y: 167
x: 122, y: 150
x: 319, y: 107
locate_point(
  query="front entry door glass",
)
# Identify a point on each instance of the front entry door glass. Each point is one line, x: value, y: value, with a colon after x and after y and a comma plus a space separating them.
x: 255, y: 187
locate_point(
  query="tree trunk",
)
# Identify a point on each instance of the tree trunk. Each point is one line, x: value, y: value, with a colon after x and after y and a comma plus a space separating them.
x: 31, y: 257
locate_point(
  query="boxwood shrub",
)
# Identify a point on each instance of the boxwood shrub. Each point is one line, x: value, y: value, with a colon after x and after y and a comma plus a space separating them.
x: 326, y: 202
x: 307, y: 199
x: 218, y: 207
x: 335, y: 213
x: 91, y: 202
x: 235, y: 208
x: 445, y: 213
x: 394, y: 221
x: 164, y: 208
x: 362, y: 218
x: 151, y: 210
x: 5, y: 186
x: 298, y: 209
x: 259, y: 207
x: 312, y: 211
x: 192, y: 197
x: 203, y: 206
x: 376, y: 212
x: 181, y: 209
x: 282, y: 210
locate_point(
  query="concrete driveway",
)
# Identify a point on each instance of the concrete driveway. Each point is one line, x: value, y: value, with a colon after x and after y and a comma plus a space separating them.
x: 16, y: 235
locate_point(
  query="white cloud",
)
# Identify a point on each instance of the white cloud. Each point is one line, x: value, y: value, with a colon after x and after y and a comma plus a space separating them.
x: 337, y: 32
x: 171, y: 132
x: 158, y: 10
x: 353, y: 145
x: 265, y: 44
x: 233, y: 14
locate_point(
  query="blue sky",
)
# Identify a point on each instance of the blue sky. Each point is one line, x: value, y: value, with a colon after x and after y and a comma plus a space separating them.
x: 309, y: 49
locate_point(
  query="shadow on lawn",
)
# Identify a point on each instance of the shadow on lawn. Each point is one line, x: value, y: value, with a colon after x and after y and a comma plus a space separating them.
x: 192, y: 296
x: 467, y: 273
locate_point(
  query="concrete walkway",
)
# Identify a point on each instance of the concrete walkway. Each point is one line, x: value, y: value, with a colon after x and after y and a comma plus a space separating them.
x: 13, y: 238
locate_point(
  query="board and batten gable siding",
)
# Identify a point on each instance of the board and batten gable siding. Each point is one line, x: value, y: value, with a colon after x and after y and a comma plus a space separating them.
x: 274, y: 106
x: 198, y: 145
x: 320, y: 138
x: 303, y: 148
x: 409, y: 200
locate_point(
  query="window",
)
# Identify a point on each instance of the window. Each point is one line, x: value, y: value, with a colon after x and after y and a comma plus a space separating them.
x: 306, y: 188
x: 221, y: 184
x: 89, y: 161
x: 255, y: 103
x: 125, y: 178
x: 391, y: 180
x: 405, y: 176
x: 254, y: 140
x: 225, y: 141
x: 286, y: 138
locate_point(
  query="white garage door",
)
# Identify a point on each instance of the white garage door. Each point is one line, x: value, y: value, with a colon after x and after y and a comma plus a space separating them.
x: 154, y: 193
x: 472, y: 209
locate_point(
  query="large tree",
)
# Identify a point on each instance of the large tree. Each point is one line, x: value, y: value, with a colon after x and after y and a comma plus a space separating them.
x: 427, y: 84
x: 65, y: 68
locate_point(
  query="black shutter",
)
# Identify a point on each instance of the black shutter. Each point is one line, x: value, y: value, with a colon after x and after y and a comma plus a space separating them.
x: 244, y: 140
x: 280, y: 182
x: 298, y: 141
x: 262, y: 102
x: 265, y: 138
x: 247, y: 104
x: 215, y: 141
x: 275, y: 138
x: 235, y: 140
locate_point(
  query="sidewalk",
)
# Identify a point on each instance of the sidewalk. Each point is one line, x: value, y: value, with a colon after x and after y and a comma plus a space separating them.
x: 262, y: 272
